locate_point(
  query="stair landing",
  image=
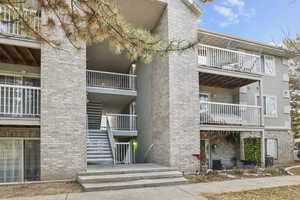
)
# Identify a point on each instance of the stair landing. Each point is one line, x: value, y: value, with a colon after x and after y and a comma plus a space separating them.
x: 99, y: 177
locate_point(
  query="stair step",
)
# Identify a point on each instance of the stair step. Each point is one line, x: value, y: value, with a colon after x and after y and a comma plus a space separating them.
x: 99, y: 160
x: 99, y: 156
x: 133, y: 184
x: 127, y: 171
x: 99, y: 152
x: 128, y: 177
x: 98, y: 148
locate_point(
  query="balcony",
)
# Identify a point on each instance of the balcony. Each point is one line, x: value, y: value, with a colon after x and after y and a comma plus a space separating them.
x: 120, y: 124
x: 228, y: 60
x: 111, y: 83
x: 19, y: 103
x: 212, y: 113
x: 12, y: 27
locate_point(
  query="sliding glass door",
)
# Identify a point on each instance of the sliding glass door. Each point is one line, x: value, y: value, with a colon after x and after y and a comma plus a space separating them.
x: 19, y: 160
x: 11, y: 161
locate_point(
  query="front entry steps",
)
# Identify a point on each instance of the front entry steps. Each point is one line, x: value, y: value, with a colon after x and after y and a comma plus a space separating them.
x: 127, y: 178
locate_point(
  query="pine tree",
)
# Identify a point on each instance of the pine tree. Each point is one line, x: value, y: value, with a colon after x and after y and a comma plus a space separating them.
x: 94, y: 21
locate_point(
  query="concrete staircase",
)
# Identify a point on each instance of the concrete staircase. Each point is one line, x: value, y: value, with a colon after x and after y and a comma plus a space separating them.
x: 126, y: 178
x: 98, y: 148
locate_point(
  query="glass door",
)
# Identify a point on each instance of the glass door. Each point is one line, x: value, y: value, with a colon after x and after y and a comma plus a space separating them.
x: 11, y: 161
x: 31, y: 160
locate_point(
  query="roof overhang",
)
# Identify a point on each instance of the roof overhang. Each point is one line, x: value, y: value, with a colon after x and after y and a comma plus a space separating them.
x: 193, y: 6
x: 228, y: 41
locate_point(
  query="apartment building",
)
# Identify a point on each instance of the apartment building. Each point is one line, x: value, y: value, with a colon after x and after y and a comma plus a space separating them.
x: 64, y: 111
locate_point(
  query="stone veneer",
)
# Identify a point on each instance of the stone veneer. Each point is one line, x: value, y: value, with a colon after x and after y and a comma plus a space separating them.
x: 63, y: 108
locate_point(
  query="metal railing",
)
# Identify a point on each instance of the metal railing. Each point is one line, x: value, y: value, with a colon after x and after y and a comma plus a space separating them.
x: 19, y: 101
x: 123, y: 153
x: 122, y: 122
x: 229, y: 114
x: 11, y: 25
x: 228, y: 59
x: 110, y: 138
x: 110, y: 80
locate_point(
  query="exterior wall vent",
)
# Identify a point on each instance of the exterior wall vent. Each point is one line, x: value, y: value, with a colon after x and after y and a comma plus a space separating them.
x: 286, y: 94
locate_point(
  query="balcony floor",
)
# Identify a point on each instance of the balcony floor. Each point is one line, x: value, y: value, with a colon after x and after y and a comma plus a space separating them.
x: 222, y: 127
x: 19, y: 121
x: 111, y: 91
x: 223, y: 81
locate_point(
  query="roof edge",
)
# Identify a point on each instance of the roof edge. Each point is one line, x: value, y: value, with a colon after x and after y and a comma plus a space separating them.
x: 252, y: 42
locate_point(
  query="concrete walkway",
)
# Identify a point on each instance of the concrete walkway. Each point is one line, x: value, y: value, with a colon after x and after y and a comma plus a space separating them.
x: 182, y: 192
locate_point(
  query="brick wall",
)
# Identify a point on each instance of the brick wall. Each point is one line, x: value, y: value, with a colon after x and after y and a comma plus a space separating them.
x: 63, y: 108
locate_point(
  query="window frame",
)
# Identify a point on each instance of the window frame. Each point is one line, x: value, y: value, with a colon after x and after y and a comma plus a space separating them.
x: 263, y: 65
x: 266, y: 114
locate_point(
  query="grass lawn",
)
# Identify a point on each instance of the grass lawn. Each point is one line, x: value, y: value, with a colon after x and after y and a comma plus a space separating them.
x: 277, y: 193
x: 29, y: 190
x: 295, y: 171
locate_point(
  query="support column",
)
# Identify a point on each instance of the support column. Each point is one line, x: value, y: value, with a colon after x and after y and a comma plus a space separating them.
x: 263, y: 148
x: 262, y: 117
x: 63, y: 107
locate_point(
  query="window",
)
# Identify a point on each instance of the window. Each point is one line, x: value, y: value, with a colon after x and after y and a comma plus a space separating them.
x: 269, y: 105
x: 272, y: 148
x: 268, y: 65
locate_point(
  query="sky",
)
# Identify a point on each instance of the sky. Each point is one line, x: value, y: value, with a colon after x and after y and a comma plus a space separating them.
x: 265, y: 21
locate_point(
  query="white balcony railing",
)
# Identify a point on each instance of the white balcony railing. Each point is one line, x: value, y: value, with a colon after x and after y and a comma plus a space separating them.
x: 228, y: 59
x: 110, y: 80
x: 11, y: 25
x: 19, y: 101
x: 229, y: 114
x: 123, y: 153
x: 122, y: 122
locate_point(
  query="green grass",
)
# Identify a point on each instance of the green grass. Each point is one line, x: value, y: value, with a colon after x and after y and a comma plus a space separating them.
x: 295, y: 171
x: 277, y: 193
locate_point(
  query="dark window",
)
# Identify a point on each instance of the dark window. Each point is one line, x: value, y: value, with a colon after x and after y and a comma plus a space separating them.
x: 31, y: 160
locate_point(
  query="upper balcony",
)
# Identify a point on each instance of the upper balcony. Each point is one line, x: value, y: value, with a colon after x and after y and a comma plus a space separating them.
x: 111, y: 83
x: 228, y: 61
x: 12, y: 27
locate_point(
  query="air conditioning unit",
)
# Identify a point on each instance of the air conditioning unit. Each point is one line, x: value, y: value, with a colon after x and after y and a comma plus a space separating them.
x: 285, y: 77
x: 287, y: 109
x: 287, y: 124
x: 286, y: 94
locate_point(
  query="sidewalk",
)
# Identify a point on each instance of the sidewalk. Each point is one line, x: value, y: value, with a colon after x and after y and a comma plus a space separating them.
x: 182, y: 192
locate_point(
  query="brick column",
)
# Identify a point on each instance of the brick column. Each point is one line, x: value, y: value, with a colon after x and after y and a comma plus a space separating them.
x: 63, y: 109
